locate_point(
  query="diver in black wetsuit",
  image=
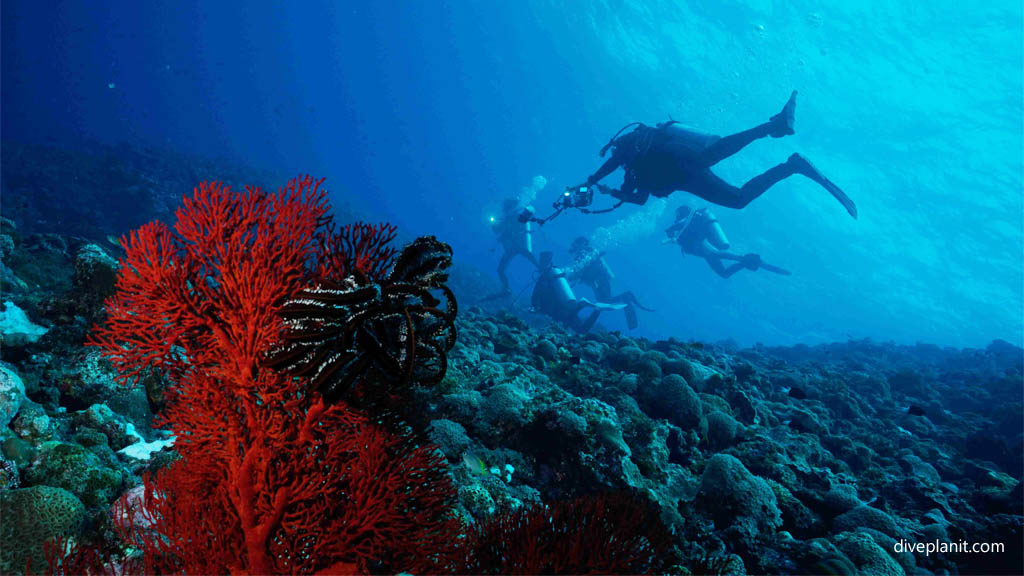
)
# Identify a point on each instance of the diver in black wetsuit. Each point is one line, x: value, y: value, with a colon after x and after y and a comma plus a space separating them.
x: 553, y: 296
x: 668, y: 157
x: 698, y: 233
x: 514, y: 235
x: 590, y: 268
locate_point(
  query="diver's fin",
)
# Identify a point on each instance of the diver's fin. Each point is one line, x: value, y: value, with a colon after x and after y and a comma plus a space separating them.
x: 631, y: 319
x: 783, y: 123
x: 637, y: 303
x: 629, y: 298
x: 601, y: 305
x: 804, y: 166
x: 775, y: 269
x: 590, y: 321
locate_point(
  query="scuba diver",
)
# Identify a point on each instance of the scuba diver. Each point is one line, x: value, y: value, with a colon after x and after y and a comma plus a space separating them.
x: 553, y: 296
x: 513, y: 231
x: 590, y: 268
x: 669, y: 157
x: 698, y: 232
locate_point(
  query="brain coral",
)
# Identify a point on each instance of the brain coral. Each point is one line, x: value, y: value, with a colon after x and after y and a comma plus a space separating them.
x: 31, y: 516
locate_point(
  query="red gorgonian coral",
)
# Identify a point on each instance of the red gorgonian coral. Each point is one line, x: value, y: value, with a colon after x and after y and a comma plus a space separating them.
x: 271, y: 478
x: 320, y: 488
x: 603, y: 534
x: 357, y: 249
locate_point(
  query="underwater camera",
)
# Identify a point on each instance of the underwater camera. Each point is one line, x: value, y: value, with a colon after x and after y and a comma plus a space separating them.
x: 575, y: 197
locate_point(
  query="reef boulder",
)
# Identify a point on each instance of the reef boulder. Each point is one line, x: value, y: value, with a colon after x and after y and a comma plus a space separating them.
x: 12, y: 393
x: 737, y: 499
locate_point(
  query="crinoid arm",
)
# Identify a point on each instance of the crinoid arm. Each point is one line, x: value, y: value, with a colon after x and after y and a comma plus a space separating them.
x: 365, y: 336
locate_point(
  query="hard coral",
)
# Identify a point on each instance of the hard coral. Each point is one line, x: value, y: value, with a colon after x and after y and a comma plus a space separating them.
x: 31, y: 517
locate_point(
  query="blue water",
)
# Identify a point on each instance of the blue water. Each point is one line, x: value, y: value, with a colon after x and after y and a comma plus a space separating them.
x: 428, y: 113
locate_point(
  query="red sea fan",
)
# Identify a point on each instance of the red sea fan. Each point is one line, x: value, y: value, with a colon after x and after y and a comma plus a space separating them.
x: 206, y: 296
x: 271, y: 479
x: 608, y: 534
x: 363, y: 249
x: 322, y: 489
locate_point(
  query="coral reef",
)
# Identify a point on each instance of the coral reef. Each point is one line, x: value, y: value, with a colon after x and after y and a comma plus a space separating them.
x: 32, y: 516
x: 270, y: 478
x: 750, y: 474
x: 801, y: 459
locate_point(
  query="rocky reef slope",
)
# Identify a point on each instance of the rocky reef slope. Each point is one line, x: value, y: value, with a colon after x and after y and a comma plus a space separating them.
x: 827, y: 459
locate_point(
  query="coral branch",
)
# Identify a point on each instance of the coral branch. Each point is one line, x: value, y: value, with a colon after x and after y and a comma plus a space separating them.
x: 615, y: 534
x: 357, y: 249
x: 271, y: 478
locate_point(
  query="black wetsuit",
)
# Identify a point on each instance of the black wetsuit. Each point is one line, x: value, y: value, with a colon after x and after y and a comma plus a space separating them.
x: 591, y: 269
x: 668, y: 157
x: 553, y: 296
x: 694, y: 237
x: 660, y: 160
x: 514, y: 238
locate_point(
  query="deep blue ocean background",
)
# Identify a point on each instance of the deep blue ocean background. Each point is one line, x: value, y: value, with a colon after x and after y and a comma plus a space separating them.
x: 428, y: 113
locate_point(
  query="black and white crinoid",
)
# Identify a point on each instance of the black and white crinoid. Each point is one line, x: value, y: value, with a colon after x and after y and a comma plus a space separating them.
x: 363, y: 338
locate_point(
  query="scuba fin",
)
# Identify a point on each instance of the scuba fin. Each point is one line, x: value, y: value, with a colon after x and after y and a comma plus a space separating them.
x: 803, y: 166
x: 782, y: 124
x: 642, y: 307
x: 590, y: 321
x: 631, y: 319
x: 754, y: 262
x: 630, y: 299
x: 775, y: 269
x: 603, y: 305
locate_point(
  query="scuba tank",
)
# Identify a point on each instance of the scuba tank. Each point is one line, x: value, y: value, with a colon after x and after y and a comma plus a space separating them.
x: 713, y: 231
x: 604, y: 266
x: 560, y: 288
x: 552, y: 294
x: 527, y: 236
x: 685, y: 139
